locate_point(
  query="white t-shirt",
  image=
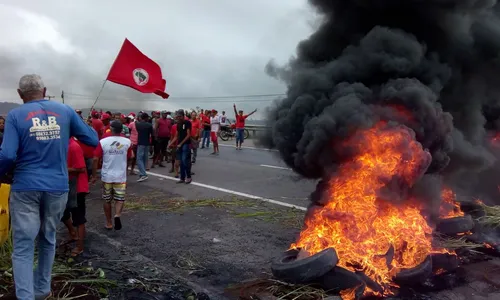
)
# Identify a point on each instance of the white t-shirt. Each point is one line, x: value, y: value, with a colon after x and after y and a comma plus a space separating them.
x: 215, y: 124
x: 223, y: 120
x: 114, y: 151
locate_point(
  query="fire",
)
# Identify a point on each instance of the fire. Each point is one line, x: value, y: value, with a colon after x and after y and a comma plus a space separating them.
x: 357, y: 221
x: 450, y: 208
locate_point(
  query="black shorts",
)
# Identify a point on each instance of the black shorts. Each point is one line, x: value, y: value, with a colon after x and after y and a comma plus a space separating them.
x: 77, y: 213
x: 162, y: 144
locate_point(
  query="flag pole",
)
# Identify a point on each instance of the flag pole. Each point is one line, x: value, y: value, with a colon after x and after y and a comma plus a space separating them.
x: 97, y: 98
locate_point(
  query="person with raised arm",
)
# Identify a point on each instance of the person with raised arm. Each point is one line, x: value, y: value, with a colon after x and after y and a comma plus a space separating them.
x: 240, y: 126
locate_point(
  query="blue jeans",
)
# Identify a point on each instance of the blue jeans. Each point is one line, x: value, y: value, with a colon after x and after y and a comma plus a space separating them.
x: 142, y: 159
x: 239, y: 136
x: 205, y: 134
x: 184, y: 155
x: 34, y: 214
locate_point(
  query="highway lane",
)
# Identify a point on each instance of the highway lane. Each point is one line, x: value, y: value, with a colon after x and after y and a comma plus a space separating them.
x: 250, y: 171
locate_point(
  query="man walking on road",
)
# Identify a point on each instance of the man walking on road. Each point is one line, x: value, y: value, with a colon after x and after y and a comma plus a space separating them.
x: 144, y: 136
x: 240, y: 126
x: 114, y: 151
x: 36, y: 139
x: 183, y: 140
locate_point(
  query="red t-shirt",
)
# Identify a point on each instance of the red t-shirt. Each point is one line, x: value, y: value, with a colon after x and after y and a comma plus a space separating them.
x: 195, y: 128
x: 205, y: 119
x: 77, y: 161
x: 88, y: 151
x: 240, y: 121
x: 98, y: 127
x: 164, y: 127
x: 173, y: 132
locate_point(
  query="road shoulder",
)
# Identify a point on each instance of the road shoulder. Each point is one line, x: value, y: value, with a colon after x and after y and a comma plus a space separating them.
x: 209, y: 243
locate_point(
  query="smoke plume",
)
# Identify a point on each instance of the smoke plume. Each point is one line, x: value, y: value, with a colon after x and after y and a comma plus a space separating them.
x: 430, y: 65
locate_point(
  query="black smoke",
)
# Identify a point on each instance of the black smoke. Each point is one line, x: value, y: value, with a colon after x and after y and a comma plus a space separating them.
x: 373, y: 60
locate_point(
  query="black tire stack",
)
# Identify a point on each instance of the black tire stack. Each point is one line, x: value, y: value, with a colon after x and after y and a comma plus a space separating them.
x: 321, y: 270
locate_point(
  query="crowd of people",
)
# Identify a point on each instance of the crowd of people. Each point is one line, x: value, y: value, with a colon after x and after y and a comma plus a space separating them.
x: 51, y: 154
x: 160, y: 138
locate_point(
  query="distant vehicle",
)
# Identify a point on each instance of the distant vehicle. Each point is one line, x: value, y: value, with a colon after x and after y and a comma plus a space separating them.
x: 229, y: 132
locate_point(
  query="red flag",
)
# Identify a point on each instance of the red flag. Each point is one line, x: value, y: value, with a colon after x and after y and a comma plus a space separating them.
x: 134, y: 69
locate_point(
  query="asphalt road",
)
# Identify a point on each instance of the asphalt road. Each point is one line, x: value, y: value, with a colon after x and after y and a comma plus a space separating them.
x: 251, y: 171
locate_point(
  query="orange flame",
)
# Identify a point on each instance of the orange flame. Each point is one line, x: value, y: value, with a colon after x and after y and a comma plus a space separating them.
x: 358, y: 223
x: 450, y: 208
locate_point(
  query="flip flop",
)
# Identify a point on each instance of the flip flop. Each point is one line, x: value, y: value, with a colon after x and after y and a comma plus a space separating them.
x: 109, y: 228
x: 67, y: 242
x: 75, y: 253
x: 118, y: 223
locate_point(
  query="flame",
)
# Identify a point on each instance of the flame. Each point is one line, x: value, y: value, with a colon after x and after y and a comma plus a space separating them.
x: 440, y: 271
x: 358, y: 223
x: 450, y: 208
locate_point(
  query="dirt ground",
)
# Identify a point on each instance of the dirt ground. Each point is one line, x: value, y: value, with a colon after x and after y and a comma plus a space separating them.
x: 209, y: 243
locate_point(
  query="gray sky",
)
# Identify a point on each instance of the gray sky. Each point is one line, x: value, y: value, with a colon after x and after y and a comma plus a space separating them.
x: 205, y: 48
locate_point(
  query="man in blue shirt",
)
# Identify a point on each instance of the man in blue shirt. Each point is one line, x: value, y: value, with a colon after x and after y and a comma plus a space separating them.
x: 36, y: 145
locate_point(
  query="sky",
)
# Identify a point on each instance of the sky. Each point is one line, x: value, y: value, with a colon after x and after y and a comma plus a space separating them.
x: 206, y: 49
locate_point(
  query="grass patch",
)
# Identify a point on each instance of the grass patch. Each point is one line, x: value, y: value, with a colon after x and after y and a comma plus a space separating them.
x: 70, y: 280
x: 187, y: 262
x: 290, y: 217
x: 451, y: 243
x: 175, y: 205
x: 491, y: 216
x: 279, y: 289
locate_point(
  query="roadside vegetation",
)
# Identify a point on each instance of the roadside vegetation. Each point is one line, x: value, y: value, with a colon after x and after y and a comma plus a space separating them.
x: 71, y: 279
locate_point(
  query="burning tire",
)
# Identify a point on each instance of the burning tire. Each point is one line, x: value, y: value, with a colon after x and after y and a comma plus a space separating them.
x: 339, y: 279
x: 444, y: 262
x: 455, y: 225
x: 289, y: 268
x: 415, y: 275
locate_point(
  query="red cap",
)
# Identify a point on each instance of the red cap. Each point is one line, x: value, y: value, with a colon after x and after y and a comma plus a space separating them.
x: 132, y: 114
x: 124, y: 116
x: 105, y: 116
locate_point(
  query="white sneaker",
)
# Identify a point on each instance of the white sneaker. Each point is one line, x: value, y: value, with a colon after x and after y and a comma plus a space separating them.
x: 142, y: 178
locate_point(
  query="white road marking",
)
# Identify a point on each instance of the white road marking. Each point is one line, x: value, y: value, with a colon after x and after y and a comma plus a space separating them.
x: 252, y: 148
x: 276, y: 167
x: 215, y: 188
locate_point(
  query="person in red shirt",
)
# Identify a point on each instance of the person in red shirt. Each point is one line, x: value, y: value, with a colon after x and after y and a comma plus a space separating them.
x: 105, y: 118
x: 163, y: 126
x: 240, y: 125
x: 205, y: 134
x: 195, y: 135
x: 88, y: 155
x: 97, y: 124
x: 74, y: 214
